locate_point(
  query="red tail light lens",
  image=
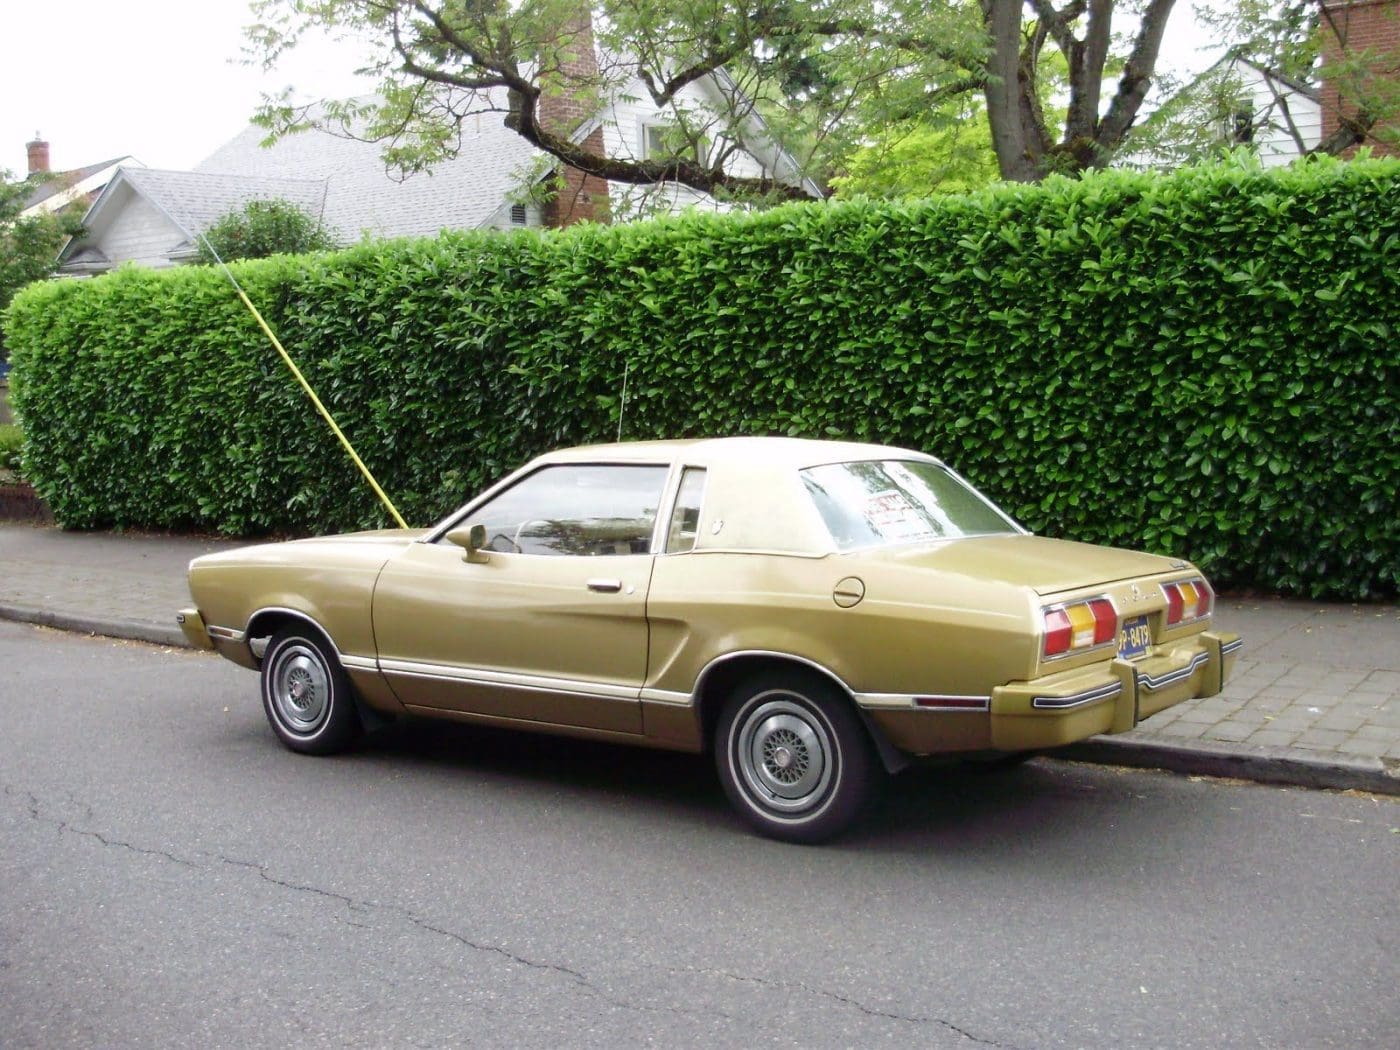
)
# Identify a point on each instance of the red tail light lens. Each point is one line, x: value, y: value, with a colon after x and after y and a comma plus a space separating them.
x: 1105, y: 620
x: 1057, y: 632
x: 1079, y: 625
x: 1188, y: 600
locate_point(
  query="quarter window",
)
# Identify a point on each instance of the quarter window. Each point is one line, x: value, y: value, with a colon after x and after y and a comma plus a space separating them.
x: 581, y: 510
x: 685, y: 519
x: 879, y: 503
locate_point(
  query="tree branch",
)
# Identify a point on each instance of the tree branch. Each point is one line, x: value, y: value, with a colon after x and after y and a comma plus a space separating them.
x: 1136, y: 79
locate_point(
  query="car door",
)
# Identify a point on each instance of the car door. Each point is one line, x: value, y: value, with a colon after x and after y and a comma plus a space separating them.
x: 547, y: 623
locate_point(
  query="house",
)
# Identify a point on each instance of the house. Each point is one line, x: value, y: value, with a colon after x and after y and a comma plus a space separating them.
x: 1235, y: 102
x: 78, y: 187
x: 153, y: 217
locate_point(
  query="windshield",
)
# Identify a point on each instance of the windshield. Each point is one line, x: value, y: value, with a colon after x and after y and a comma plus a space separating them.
x: 884, y: 502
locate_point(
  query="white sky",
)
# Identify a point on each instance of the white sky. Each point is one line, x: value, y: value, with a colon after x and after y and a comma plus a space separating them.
x: 160, y: 80
x: 157, y: 79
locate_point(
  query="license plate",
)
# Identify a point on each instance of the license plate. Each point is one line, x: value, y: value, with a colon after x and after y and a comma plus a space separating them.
x: 1134, y: 638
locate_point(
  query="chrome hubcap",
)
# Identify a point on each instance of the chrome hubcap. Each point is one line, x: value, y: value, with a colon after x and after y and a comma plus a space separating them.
x: 783, y: 753
x: 301, y: 688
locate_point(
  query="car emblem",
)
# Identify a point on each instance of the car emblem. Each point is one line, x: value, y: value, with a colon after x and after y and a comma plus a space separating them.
x: 1137, y: 593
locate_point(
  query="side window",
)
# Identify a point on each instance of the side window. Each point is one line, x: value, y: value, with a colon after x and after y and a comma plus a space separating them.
x: 685, y: 519
x: 570, y: 509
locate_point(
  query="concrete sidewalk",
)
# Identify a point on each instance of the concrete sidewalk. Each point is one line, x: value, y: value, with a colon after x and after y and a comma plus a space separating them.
x: 1315, y: 699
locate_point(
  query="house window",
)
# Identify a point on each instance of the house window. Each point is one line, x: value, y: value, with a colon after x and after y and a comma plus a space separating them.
x: 518, y: 217
x: 654, y: 142
x: 1244, y: 126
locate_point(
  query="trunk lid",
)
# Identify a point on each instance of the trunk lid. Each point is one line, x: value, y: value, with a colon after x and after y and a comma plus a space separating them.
x: 1045, y: 565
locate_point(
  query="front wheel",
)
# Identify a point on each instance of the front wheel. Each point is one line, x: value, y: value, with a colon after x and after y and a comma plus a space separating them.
x: 306, y: 694
x: 793, y: 757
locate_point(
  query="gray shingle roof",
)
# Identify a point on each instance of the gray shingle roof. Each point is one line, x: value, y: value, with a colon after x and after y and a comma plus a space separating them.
x: 194, y: 200
x: 63, y: 179
x: 362, y: 198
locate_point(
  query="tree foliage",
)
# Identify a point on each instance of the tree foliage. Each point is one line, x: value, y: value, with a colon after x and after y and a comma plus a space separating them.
x: 261, y: 228
x: 29, y: 244
x: 838, y: 84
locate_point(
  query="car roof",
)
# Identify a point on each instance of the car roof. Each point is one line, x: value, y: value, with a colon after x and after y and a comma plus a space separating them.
x: 754, y: 499
x: 782, y: 452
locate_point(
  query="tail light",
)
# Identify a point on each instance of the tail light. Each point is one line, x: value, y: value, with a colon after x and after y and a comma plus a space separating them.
x: 1078, y: 626
x: 1188, y: 600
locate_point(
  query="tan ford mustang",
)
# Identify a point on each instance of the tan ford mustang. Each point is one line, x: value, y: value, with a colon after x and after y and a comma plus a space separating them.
x: 815, y: 612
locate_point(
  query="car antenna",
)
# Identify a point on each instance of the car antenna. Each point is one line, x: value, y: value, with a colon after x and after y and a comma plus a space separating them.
x: 622, y: 409
x: 287, y: 359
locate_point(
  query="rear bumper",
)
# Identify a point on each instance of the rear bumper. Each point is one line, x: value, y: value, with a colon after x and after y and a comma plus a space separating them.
x: 1109, y: 697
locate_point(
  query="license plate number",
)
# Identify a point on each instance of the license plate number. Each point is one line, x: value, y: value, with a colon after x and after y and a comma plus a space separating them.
x: 1134, y: 638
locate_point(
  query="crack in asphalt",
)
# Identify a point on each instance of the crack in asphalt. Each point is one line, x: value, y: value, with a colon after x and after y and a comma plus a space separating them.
x: 869, y: 1011
x: 34, y: 806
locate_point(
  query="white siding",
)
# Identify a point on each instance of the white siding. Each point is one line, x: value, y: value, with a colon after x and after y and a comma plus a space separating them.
x: 1273, y: 139
x: 624, y: 124
x: 139, y: 232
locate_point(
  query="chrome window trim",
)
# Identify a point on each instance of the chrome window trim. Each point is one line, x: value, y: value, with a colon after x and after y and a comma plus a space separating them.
x: 464, y: 513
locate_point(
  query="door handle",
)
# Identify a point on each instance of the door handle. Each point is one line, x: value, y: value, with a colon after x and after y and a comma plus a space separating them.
x: 605, y: 586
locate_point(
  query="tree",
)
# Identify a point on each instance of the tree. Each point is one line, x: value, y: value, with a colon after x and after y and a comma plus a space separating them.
x: 829, y: 81
x: 29, y: 244
x: 807, y: 75
x: 914, y: 159
x: 261, y: 228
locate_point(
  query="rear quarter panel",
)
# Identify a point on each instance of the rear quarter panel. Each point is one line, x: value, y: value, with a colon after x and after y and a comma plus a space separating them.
x: 913, y: 632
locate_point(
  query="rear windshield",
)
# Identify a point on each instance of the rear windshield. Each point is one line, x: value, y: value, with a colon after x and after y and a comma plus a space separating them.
x: 883, y: 502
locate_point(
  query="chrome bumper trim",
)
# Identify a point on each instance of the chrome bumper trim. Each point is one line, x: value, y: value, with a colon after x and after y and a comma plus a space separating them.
x: 1153, y: 683
x: 1089, y: 696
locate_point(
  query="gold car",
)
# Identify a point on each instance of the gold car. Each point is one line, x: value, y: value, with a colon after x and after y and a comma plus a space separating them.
x: 813, y: 612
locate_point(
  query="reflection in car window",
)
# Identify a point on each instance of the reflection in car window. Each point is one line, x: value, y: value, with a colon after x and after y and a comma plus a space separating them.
x: 685, y: 519
x: 877, y: 503
x: 578, y: 509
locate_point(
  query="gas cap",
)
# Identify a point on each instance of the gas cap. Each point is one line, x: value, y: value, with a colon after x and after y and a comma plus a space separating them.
x: 849, y: 592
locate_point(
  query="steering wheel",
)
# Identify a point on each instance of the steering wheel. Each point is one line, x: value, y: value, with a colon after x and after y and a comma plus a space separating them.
x: 521, y: 531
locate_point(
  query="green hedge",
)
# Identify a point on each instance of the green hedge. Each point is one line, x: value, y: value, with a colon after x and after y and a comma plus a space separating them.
x: 1203, y: 363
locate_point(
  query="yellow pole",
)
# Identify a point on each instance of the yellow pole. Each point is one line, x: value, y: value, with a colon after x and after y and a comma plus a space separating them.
x: 286, y: 357
x: 394, y: 511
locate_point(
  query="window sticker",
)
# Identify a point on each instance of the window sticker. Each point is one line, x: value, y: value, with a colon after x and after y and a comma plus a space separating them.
x: 896, y: 519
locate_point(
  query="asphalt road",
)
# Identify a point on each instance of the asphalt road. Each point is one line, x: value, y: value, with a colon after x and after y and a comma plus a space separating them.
x: 170, y: 876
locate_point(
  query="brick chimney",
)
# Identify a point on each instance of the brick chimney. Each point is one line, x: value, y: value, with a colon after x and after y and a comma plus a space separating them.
x: 1369, y: 29
x: 565, y: 108
x: 38, y: 155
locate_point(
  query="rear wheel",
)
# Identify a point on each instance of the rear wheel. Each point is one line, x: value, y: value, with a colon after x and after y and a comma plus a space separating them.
x: 306, y: 693
x: 793, y: 757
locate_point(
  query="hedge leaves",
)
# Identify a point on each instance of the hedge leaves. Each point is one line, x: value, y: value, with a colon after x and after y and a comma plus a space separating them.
x: 1202, y: 364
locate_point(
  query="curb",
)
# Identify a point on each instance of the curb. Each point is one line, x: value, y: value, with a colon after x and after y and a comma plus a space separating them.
x: 1268, y: 765
x: 130, y: 630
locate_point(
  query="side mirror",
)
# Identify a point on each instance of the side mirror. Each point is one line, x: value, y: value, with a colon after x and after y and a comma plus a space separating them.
x: 472, y: 539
